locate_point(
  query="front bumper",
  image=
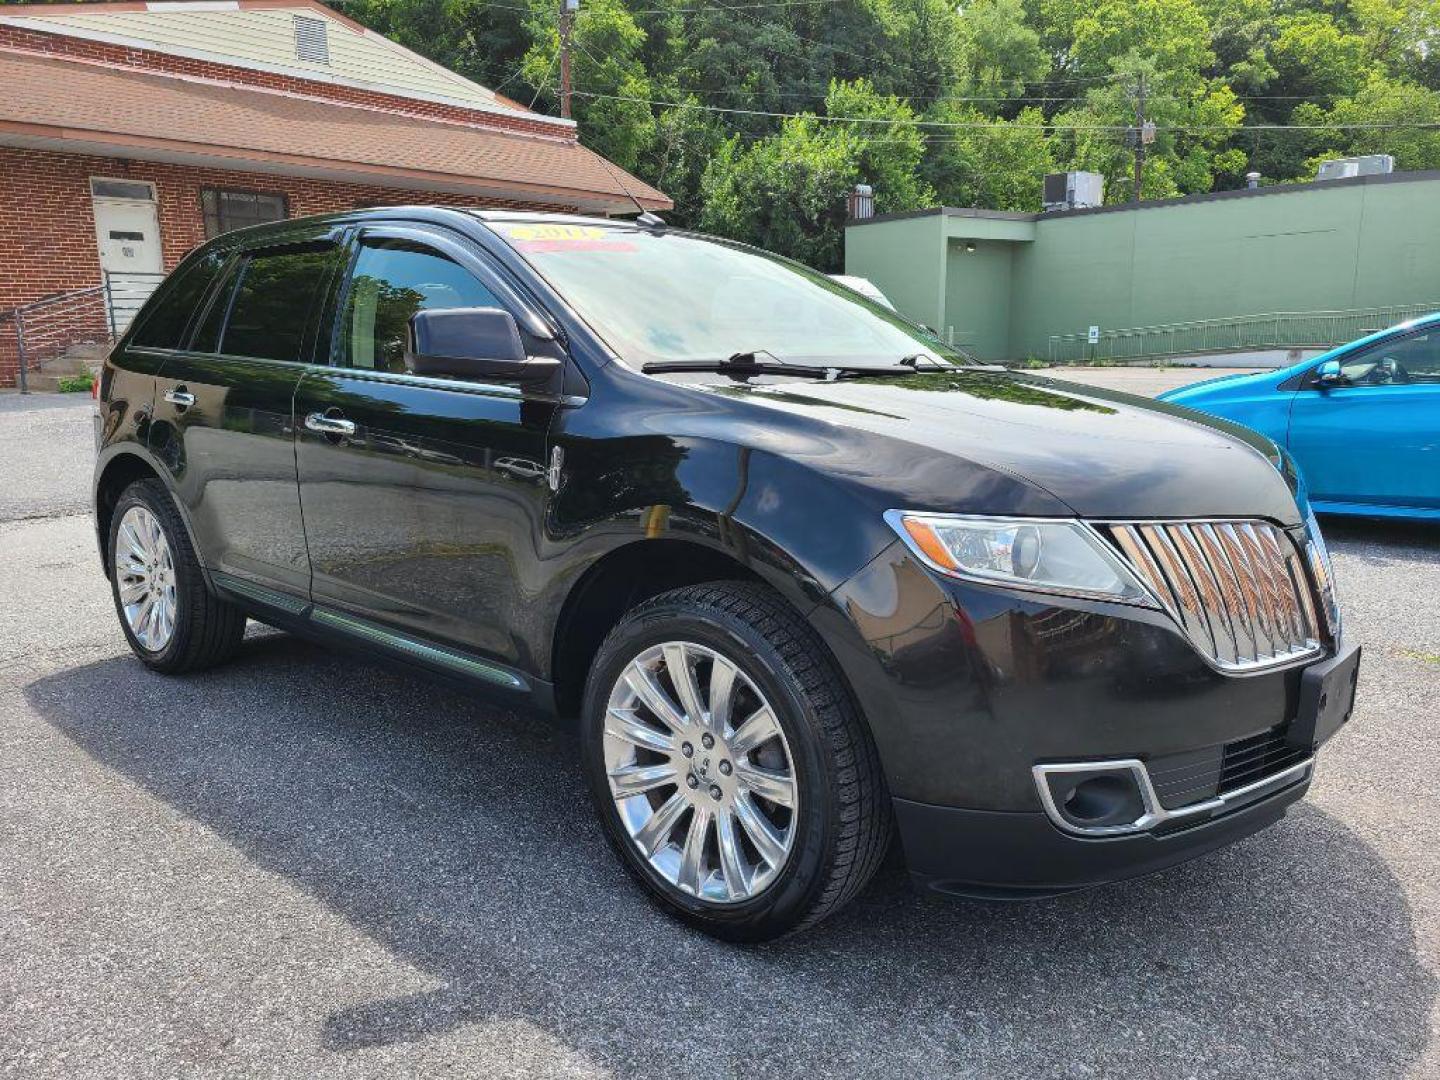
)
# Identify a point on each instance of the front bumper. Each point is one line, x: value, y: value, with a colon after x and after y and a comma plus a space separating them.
x: 969, y: 689
x: 1017, y: 855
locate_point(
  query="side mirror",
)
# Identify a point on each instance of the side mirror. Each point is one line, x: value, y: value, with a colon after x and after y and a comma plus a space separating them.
x: 473, y: 343
x: 1328, y: 373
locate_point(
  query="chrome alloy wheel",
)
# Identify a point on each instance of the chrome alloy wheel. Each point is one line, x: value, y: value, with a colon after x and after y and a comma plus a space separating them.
x: 703, y: 779
x: 145, y: 578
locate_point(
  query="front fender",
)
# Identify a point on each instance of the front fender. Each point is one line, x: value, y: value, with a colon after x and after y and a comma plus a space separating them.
x: 788, y: 524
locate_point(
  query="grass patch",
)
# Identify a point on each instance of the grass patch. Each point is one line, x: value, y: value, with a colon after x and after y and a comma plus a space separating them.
x: 75, y: 384
x: 1423, y: 657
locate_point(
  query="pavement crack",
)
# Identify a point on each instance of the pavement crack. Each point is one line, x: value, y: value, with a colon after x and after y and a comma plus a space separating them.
x: 45, y: 515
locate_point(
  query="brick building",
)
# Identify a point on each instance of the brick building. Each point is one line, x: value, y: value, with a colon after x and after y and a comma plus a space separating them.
x: 130, y: 132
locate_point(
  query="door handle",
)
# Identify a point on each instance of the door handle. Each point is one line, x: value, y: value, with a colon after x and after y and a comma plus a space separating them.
x: 329, y: 425
x: 181, y: 398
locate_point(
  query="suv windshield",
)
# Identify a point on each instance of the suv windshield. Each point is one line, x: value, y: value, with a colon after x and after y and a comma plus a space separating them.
x: 658, y: 296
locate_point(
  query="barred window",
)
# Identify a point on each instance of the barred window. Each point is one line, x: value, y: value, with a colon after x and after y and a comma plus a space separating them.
x: 226, y: 209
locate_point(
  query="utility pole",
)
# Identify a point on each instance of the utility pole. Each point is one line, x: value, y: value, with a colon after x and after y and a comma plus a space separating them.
x: 1139, y: 136
x: 567, y: 15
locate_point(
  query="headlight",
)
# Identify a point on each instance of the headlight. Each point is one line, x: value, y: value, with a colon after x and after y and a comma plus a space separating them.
x: 1064, y: 557
x: 1318, y: 555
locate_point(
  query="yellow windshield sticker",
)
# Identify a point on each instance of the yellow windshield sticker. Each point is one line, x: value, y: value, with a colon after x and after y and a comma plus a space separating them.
x: 553, y: 232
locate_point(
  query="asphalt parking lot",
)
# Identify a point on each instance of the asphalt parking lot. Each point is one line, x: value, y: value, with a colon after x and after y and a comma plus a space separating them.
x: 300, y: 866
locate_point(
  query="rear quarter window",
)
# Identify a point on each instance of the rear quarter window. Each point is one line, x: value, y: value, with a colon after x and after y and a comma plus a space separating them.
x: 163, y: 323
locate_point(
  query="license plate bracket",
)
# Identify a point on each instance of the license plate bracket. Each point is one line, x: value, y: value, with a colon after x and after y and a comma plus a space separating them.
x: 1327, y: 698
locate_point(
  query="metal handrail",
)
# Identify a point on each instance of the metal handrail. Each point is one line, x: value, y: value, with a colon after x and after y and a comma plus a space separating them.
x: 126, y: 293
x: 60, y: 321
x: 1284, y: 329
x: 55, y: 323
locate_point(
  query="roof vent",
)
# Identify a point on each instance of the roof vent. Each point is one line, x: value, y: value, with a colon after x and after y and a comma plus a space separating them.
x: 312, y: 41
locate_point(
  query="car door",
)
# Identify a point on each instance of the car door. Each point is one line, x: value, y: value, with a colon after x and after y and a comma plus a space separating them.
x: 223, y: 414
x: 1373, y: 437
x: 423, y: 497
x: 126, y: 404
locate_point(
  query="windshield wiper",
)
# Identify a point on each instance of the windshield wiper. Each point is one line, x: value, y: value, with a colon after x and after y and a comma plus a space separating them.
x: 745, y: 364
x: 739, y: 364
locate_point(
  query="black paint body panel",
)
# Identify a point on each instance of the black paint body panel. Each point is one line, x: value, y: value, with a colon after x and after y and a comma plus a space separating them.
x: 436, y: 518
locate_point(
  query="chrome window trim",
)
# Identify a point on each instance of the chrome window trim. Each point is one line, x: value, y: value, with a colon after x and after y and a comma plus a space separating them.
x: 1154, y: 813
x: 428, y: 382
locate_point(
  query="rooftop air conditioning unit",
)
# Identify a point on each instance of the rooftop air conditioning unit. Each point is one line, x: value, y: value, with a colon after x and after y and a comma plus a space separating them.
x: 1365, y: 165
x: 1074, y: 190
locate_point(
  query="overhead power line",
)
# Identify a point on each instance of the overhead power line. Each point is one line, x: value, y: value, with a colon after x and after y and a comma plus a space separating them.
x: 998, y: 125
x: 733, y: 7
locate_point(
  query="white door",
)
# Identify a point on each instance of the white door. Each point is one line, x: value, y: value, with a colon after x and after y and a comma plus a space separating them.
x: 128, y: 232
x: 129, y: 235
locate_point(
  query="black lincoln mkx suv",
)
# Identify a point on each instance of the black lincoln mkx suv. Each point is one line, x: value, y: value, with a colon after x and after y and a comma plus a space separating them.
x: 807, y: 577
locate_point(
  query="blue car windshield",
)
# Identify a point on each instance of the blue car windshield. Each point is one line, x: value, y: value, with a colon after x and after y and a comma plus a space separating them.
x: 661, y: 295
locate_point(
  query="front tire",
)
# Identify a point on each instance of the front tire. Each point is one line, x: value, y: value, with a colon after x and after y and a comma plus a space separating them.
x: 732, y: 772
x: 171, y: 620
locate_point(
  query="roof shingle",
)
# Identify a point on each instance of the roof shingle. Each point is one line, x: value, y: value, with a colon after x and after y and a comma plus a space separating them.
x: 89, y: 102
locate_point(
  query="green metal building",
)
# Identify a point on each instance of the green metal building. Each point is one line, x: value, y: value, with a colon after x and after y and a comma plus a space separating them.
x: 1271, y: 266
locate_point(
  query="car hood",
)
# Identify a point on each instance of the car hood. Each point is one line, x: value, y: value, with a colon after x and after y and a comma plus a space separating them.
x: 1100, y: 453
x: 1218, y: 386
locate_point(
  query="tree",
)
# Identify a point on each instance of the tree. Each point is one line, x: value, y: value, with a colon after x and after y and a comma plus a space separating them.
x: 992, y: 163
x: 1384, y: 102
x: 1169, y: 35
x: 788, y: 192
x: 1195, y: 121
x: 759, y: 120
x: 1315, y: 58
x: 1002, y: 53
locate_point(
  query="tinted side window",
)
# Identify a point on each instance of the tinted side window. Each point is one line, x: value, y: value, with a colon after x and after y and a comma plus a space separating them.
x: 206, y: 338
x: 164, y: 325
x: 273, y: 301
x: 393, y: 279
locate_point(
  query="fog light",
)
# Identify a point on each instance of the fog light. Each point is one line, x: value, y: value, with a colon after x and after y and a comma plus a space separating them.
x: 1098, y: 798
x: 1104, y: 800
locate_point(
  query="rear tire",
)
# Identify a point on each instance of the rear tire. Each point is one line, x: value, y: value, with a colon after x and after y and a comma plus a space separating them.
x: 172, y: 621
x: 809, y: 817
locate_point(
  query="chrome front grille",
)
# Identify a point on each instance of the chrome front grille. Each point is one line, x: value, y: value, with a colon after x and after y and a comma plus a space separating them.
x: 1238, y: 589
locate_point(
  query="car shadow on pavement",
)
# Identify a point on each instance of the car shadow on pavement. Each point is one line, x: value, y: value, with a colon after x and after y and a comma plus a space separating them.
x: 461, y: 839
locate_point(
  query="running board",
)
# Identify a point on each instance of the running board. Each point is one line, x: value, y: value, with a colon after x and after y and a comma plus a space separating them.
x: 363, y: 630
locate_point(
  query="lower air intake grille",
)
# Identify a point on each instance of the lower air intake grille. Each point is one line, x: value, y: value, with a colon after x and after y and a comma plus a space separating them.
x: 1248, y: 760
x: 1238, y: 589
x: 1192, y: 776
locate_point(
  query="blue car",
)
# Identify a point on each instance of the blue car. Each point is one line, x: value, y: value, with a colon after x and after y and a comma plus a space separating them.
x: 1362, y: 420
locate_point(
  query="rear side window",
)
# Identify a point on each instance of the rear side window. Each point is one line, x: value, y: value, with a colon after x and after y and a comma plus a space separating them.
x: 270, y: 308
x: 164, y: 325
